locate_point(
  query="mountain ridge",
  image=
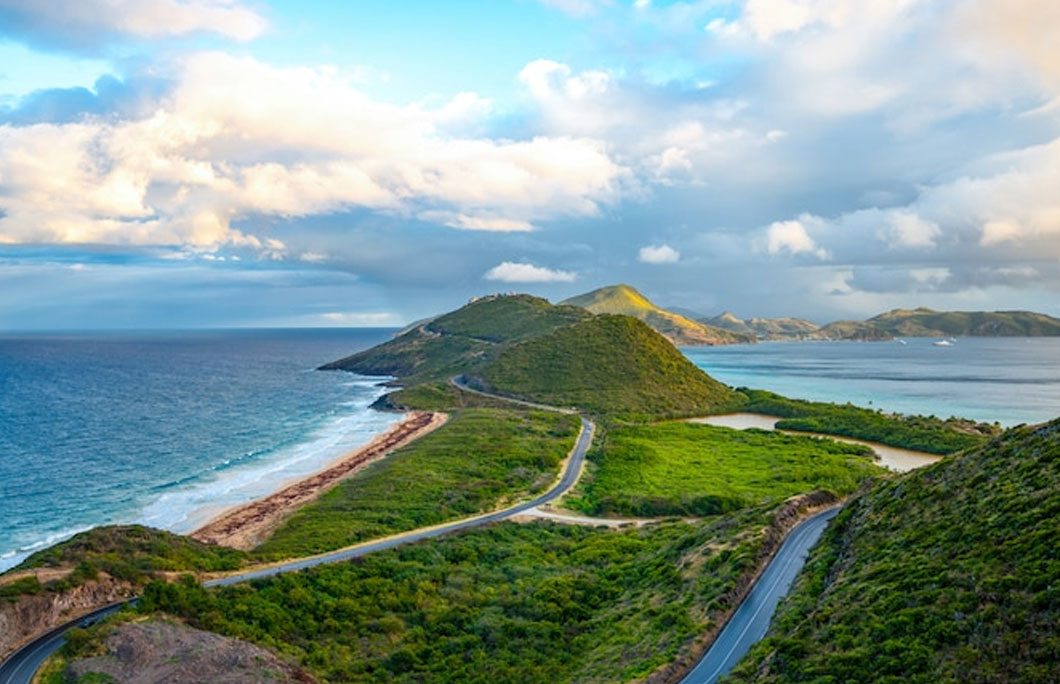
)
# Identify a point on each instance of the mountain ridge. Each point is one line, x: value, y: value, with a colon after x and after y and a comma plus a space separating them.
x: 628, y: 301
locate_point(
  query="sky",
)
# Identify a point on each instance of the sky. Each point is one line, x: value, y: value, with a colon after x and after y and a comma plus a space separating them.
x: 259, y: 163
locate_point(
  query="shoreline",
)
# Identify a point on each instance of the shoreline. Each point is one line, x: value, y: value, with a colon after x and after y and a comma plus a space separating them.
x: 246, y: 525
x: 896, y: 459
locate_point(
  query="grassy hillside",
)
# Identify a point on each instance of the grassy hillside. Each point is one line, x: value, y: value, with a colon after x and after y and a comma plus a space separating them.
x: 859, y: 331
x: 924, y: 322
x: 689, y: 469
x: 127, y: 552
x: 627, y: 301
x: 475, y: 462
x: 946, y: 574
x: 510, y: 603
x: 452, y: 343
x: 608, y: 365
x: 919, y: 433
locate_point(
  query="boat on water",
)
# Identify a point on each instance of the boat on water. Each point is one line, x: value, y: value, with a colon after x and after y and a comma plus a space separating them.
x: 942, y: 343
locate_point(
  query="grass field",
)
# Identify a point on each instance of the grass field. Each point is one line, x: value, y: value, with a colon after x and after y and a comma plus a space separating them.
x: 478, y: 460
x: 691, y: 469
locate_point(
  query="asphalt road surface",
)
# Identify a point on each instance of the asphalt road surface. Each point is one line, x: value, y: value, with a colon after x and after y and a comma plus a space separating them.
x: 751, y: 620
x: 20, y: 667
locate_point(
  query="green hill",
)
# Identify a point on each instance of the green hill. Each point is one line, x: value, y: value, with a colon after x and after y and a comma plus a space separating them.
x: 607, y: 364
x: 457, y: 341
x: 946, y: 574
x: 763, y: 328
x: 627, y: 301
x: 930, y: 323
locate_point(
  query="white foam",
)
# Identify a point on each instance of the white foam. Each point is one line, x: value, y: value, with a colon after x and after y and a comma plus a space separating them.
x: 192, y: 505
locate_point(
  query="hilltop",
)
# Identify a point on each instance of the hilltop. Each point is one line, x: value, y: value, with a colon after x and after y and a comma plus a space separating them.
x: 923, y: 322
x: 524, y: 346
x: 920, y: 322
x: 949, y: 573
x: 682, y: 331
x: 455, y: 342
x: 607, y: 364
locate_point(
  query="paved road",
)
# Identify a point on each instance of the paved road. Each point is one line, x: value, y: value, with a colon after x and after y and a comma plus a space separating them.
x: 20, y: 667
x: 751, y: 620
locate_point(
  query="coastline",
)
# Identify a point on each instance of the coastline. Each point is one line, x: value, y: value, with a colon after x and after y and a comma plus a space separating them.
x: 246, y: 525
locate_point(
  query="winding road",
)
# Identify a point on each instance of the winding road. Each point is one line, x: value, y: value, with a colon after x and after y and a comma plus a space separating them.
x: 21, y: 665
x: 746, y: 626
x: 751, y: 620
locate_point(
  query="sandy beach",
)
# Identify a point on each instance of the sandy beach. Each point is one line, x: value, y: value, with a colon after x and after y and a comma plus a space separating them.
x: 247, y: 525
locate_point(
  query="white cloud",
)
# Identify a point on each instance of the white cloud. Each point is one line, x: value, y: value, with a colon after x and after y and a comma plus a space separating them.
x: 355, y: 319
x: 658, y: 254
x: 235, y: 138
x: 792, y: 237
x: 515, y: 272
x: 906, y: 229
x: 83, y: 23
x: 997, y: 232
x: 577, y: 8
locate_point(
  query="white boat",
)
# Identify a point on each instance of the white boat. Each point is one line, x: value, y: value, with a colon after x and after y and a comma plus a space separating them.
x: 943, y: 343
x: 900, y: 341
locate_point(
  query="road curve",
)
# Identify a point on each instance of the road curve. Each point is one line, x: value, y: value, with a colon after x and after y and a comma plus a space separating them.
x: 751, y: 620
x: 21, y: 665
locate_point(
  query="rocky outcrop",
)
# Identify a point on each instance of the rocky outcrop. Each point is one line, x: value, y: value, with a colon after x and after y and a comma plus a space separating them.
x: 34, y: 614
x: 156, y: 651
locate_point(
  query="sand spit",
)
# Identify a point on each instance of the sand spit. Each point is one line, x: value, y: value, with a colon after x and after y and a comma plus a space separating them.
x: 248, y: 525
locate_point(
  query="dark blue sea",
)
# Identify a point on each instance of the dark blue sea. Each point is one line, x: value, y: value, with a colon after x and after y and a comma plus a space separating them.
x: 166, y: 428
x: 1009, y: 380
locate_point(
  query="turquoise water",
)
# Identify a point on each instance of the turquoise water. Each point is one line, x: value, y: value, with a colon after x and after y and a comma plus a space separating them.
x: 1010, y: 380
x: 165, y: 428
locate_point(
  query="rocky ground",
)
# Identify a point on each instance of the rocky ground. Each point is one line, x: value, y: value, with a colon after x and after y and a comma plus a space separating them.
x: 155, y: 652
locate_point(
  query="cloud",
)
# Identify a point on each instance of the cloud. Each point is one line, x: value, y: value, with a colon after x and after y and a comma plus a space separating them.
x: 658, y: 254
x: 793, y: 238
x: 86, y: 25
x: 577, y: 8
x: 514, y: 272
x: 906, y: 229
x: 234, y: 139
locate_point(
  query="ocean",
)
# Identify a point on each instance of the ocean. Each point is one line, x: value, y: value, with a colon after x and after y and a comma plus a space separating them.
x: 1009, y: 380
x: 165, y: 428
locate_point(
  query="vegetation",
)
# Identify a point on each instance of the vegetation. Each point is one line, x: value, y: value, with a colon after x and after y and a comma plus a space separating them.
x: 767, y: 328
x: 126, y: 552
x: 480, y: 458
x: 924, y: 322
x: 507, y: 603
x: 460, y: 340
x: 439, y: 396
x: 861, y: 331
x: 945, y: 574
x: 692, y: 469
x: 625, y: 300
x: 614, y: 366
x: 920, y: 433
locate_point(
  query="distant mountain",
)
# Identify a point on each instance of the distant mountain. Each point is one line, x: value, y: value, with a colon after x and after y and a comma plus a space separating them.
x: 627, y: 301
x: 764, y: 328
x: 944, y: 574
x: 924, y: 322
x: 858, y: 331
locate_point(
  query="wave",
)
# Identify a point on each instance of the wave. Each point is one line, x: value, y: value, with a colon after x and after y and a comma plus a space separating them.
x: 189, y: 503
